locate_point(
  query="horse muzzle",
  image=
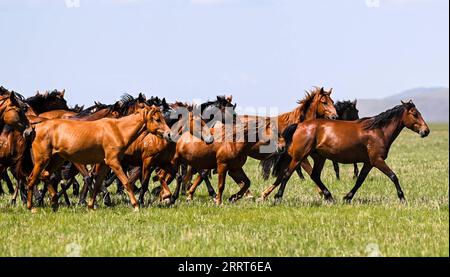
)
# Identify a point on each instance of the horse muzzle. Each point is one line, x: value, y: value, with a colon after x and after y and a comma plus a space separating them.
x: 29, y: 133
x: 167, y: 136
x: 208, y: 139
x: 424, y: 133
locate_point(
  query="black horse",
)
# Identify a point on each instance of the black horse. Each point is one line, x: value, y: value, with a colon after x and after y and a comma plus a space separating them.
x: 346, y: 110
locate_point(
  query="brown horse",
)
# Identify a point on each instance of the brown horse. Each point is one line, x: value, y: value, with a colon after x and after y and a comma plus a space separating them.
x: 101, y: 142
x: 15, y: 130
x: 367, y: 141
x: 316, y: 104
x: 228, y: 153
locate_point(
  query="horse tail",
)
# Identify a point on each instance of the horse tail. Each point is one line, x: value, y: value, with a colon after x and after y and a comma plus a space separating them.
x: 277, y: 161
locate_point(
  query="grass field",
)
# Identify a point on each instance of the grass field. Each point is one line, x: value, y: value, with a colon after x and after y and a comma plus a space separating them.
x: 302, y: 225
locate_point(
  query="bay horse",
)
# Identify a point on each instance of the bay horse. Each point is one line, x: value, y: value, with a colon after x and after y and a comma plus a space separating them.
x: 101, y: 142
x: 317, y: 103
x: 367, y: 141
x: 15, y: 131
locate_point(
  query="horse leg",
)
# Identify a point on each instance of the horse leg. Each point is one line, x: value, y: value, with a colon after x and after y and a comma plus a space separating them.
x: 100, y: 172
x: 300, y: 173
x: 41, y: 196
x: 355, y: 171
x: 114, y: 164
x: 210, y: 188
x: 147, y: 171
x: 134, y: 175
x: 8, y: 182
x: 319, y: 163
x: 364, y: 172
x: 222, y: 170
x: 195, y: 184
x: 294, y: 164
x: 240, y: 178
x: 336, y: 169
x: 186, y: 184
x: 383, y: 167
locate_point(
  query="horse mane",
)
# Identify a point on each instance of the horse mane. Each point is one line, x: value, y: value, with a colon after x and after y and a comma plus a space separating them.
x: 299, y: 114
x: 343, y: 105
x: 384, y: 118
x: 88, y: 111
x: 3, y: 91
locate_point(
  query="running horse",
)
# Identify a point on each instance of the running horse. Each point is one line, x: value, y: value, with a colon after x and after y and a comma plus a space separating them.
x: 367, y: 141
x: 228, y: 153
x: 15, y: 131
x: 316, y: 104
x: 102, y: 142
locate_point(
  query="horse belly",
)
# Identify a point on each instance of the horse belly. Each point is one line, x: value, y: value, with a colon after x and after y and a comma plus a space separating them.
x: 78, y: 143
x: 344, y: 154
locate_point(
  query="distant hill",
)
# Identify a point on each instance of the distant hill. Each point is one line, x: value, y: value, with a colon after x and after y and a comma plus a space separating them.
x: 433, y: 103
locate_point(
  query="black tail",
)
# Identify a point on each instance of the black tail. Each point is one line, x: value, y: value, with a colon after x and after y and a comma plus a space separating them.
x: 277, y: 162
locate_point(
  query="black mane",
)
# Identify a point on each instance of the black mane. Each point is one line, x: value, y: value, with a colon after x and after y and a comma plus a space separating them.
x: 385, y: 117
x: 343, y: 105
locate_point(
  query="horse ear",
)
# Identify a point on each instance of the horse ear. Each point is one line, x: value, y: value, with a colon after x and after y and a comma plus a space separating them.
x: 355, y: 102
x: 229, y: 98
x: 142, y: 98
x: 322, y: 90
x: 13, y: 99
x: 62, y: 93
x: 331, y: 90
x: 37, y: 92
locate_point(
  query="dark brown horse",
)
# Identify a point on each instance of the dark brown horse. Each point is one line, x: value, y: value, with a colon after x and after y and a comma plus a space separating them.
x: 15, y: 130
x: 367, y: 141
x: 101, y: 142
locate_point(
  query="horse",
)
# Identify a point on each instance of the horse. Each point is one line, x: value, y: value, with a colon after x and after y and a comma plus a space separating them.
x: 49, y: 101
x: 346, y: 110
x: 102, y: 142
x: 227, y: 154
x: 367, y: 141
x: 150, y: 151
x: 15, y: 132
x: 317, y: 103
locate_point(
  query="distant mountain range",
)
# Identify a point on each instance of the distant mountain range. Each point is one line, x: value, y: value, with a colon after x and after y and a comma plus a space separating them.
x: 432, y: 103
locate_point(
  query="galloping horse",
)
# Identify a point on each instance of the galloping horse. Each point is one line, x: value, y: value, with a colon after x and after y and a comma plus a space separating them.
x: 15, y: 130
x: 228, y: 154
x: 101, y: 142
x: 367, y: 141
x: 316, y: 104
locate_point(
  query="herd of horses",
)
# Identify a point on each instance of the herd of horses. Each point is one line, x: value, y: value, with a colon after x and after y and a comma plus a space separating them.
x: 45, y: 141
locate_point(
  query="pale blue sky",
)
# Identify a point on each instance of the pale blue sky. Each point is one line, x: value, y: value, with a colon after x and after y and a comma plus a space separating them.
x: 264, y: 52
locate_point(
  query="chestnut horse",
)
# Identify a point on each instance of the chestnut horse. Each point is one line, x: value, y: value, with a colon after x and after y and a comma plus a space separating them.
x: 367, y: 141
x: 101, y: 142
x: 227, y: 153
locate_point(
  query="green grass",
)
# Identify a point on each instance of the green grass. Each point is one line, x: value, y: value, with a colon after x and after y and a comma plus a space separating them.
x: 302, y: 225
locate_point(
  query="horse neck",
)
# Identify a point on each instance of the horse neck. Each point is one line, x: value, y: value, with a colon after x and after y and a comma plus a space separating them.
x: 289, y: 118
x: 131, y: 127
x: 392, y: 130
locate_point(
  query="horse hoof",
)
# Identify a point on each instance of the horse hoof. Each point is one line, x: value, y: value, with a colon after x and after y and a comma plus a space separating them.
x: 136, y: 209
x: 13, y: 202
x: 34, y: 211
x: 82, y: 203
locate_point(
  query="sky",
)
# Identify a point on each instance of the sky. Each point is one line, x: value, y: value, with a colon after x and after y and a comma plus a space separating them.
x: 263, y: 52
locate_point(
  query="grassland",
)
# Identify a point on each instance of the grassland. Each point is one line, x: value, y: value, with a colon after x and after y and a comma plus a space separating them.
x: 302, y: 225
